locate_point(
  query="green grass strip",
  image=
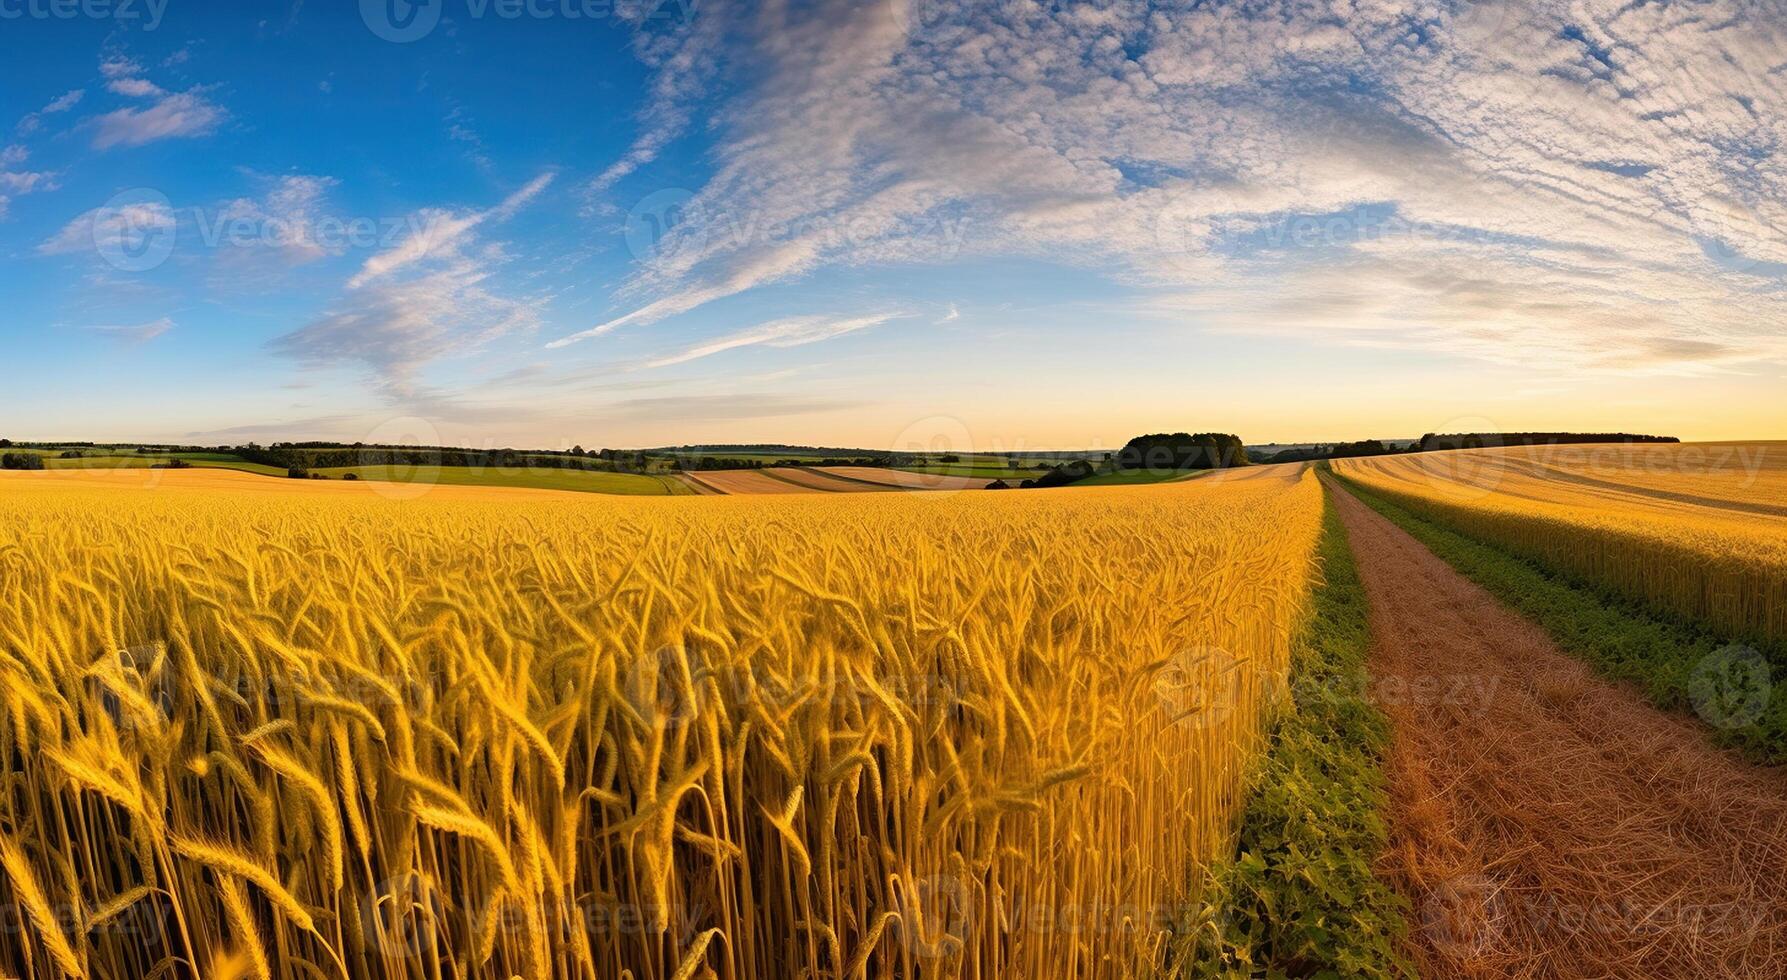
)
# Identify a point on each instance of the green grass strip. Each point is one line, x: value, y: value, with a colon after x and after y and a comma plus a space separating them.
x: 1678, y: 666
x: 1301, y: 899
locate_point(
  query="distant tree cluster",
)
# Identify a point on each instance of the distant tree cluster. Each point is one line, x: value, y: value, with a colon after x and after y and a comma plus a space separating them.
x: 1482, y: 440
x: 326, y: 455
x: 1060, y: 476
x: 1181, y: 451
x: 1339, y: 450
x: 709, y: 463
x: 21, y: 461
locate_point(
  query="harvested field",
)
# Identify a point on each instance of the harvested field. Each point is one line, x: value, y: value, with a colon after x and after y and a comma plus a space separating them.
x: 745, y: 483
x: 1546, y: 823
x: 818, y: 480
x: 904, y: 480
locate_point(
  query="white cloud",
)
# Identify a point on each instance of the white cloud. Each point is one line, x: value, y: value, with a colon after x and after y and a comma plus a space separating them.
x: 15, y: 183
x: 61, y: 103
x: 119, y: 66
x: 685, y: 61
x: 1205, y: 154
x: 136, y: 334
x: 283, y: 222
x: 182, y: 114
x: 789, y: 332
x: 439, y: 232
x: 111, y: 229
x: 393, y: 328
x: 427, y: 297
x: 24, y: 182
x: 136, y: 88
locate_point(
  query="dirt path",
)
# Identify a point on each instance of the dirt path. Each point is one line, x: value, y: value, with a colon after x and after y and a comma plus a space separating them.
x: 1545, y: 823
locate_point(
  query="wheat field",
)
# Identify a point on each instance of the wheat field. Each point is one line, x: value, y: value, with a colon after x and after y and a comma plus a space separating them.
x: 1698, y: 530
x: 257, y: 728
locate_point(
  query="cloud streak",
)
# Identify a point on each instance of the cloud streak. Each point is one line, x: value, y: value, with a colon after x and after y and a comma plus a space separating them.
x: 790, y: 332
x: 137, y: 334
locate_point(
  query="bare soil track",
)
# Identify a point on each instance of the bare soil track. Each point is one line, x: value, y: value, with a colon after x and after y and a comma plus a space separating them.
x: 1547, y: 823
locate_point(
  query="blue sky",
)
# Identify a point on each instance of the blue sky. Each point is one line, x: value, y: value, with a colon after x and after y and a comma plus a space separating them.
x: 874, y: 223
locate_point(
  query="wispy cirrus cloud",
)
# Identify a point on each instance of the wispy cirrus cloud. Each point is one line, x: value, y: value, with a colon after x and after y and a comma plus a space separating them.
x: 179, y: 115
x: 701, y: 408
x: 441, y: 232
x: 172, y: 115
x: 430, y: 295
x: 788, y: 332
x: 111, y: 228
x: 135, y: 334
x: 32, y: 122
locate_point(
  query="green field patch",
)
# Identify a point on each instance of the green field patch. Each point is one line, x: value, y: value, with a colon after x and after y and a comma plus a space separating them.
x: 1300, y: 898
x: 1133, y: 478
x: 584, y: 481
